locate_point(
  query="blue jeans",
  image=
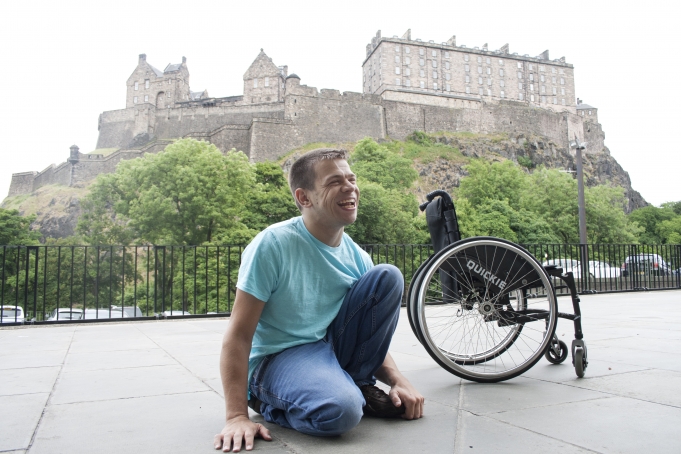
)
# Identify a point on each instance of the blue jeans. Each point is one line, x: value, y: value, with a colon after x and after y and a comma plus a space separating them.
x: 314, y: 388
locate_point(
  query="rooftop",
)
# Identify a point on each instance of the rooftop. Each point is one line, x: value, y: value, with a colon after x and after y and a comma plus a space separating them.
x: 155, y: 387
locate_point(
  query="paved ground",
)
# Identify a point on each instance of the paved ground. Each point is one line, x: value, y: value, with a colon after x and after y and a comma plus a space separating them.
x: 153, y: 387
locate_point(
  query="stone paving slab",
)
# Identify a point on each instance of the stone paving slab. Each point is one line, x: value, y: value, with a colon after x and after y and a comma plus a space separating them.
x: 154, y: 386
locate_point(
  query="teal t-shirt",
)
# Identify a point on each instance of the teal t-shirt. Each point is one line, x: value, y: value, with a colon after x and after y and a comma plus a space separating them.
x: 301, y: 280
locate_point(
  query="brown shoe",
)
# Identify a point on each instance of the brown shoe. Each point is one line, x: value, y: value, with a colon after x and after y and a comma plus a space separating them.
x: 254, y: 404
x: 378, y: 403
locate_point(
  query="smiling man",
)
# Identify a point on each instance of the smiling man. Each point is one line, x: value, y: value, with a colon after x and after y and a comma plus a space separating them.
x: 312, y: 319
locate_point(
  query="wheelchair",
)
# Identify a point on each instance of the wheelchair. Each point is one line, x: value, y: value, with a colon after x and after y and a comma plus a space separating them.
x: 484, y: 308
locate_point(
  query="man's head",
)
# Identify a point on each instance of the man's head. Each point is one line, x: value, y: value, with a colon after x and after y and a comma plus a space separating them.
x: 323, y: 184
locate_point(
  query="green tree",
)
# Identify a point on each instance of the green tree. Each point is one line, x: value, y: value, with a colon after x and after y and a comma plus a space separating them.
x: 184, y: 195
x: 375, y: 163
x: 493, y: 181
x: 650, y: 220
x: 670, y: 230
x: 271, y: 201
x: 16, y: 229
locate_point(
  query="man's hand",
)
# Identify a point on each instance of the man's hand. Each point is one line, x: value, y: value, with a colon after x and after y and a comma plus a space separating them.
x: 404, y: 393
x: 238, y: 430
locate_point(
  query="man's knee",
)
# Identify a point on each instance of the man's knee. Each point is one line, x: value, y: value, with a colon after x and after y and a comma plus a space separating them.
x: 339, y: 415
x: 390, y: 276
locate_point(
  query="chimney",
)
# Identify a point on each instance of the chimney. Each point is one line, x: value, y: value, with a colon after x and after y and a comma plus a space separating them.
x: 184, y: 60
x: 407, y: 35
x: 504, y: 49
x: 73, y: 157
x: 452, y: 41
x: 143, y: 58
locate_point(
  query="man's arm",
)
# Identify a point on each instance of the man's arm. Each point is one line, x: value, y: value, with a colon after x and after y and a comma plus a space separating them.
x: 402, y: 392
x: 236, y: 347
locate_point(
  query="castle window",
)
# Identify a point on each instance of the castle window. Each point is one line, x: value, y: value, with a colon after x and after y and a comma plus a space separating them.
x: 267, y: 81
x: 489, y: 81
x: 422, y: 62
x: 397, y: 48
x: 501, y: 72
x: 446, y: 65
x: 562, y: 91
x: 146, y: 98
x: 532, y: 98
x: 553, y: 70
x: 501, y: 83
x: 434, y: 63
x: 554, y: 90
x: 465, y: 57
x: 447, y: 56
x: 589, y: 112
x: 448, y: 87
x: 421, y: 51
x: 466, y: 68
x: 468, y: 90
x: 542, y: 78
x: 397, y: 81
x: 423, y: 84
x: 489, y: 70
x: 448, y: 76
x: 531, y: 76
x: 434, y: 53
x: 137, y: 86
x: 531, y: 66
x: 488, y: 60
x: 520, y: 75
x: 407, y: 72
x: 407, y: 82
x: 520, y: 65
x: 520, y: 86
x: 168, y: 95
x: 479, y: 59
x: 434, y: 74
x: 520, y: 96
x: 435, y: 87
x: 407, y: 50
x: 502, y: 94
x: 555, y: 100
x: 407, y: 60
x: 543, y: 99
x: 479, y: 69
x: 146, y: 83
x: 541, y: 68
x: 255, y: 83
x: 397, y: 58
x: 480, y: 80
x: 554, y: 80
x: 531, y: 87
x: 561, y: 71
x: 134, y: 100
x: 468, y: 79
x: 397, y: 70
x: 170, y: 81
x: 422, y: 73
x: 563, y: 101
x: 489, y: 92
x: 562, y: 81
x: 481, y: 91
x: 543, y: 88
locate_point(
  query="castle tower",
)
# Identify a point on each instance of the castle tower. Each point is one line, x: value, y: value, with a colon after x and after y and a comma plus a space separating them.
x: 264, y: 81
x: 148, y: 85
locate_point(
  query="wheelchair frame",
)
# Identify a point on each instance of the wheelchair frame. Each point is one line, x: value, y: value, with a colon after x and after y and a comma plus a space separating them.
x: 460, y: 290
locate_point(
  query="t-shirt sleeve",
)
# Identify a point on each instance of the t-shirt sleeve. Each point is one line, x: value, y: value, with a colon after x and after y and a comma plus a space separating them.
x: 260, y: 267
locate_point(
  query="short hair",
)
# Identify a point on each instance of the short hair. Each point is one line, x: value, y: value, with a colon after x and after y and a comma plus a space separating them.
x: 302, y: 173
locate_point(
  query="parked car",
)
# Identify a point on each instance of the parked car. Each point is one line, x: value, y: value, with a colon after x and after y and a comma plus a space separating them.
x: 175, y: 312
x: 646, y: 264
x: 567, y: 265
x: 103, y: 313
x: 602, y: 270
x: 65, y: 313
x: 129, y: 311
x: 12, y: 314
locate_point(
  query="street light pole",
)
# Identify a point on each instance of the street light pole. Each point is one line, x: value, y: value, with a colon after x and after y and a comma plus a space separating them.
x: 580, y: 189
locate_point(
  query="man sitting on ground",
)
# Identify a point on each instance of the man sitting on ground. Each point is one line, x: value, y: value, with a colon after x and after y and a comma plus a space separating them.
x: 312, y: 319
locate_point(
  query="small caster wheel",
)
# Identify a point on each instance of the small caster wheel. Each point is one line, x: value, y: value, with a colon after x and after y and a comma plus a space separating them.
x: 554, y: 358
x: 580, y: 361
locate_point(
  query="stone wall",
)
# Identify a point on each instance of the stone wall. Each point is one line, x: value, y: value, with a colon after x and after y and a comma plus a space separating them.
x: 22, y: 183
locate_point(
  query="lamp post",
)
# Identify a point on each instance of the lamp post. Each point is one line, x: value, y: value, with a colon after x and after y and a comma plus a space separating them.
x: 579, y: 146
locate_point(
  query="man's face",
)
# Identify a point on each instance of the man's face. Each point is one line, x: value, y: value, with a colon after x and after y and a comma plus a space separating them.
x: 335, y: 197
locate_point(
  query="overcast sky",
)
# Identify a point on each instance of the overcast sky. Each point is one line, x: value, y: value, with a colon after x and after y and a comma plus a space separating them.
x: 66, y: 62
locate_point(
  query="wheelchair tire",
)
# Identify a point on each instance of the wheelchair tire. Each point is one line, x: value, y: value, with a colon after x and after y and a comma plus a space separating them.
x: 415, y: 283
x: 500, y: 320
x: 551, y: 355
x: 580, y: 362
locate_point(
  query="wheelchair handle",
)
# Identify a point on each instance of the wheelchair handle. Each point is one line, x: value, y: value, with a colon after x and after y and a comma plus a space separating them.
x: 438, y: 192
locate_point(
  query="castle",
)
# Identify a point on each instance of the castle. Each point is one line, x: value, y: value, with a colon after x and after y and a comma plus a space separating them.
x: 408, y: 85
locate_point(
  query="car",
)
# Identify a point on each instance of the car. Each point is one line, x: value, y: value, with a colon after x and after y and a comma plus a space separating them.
x: 129, y: 311
x: 11, y: 314
x: 103, y: 313
x: 567, y: 265
x: 646, y: 264
x: 65, y: 313
x: 174, y: 312
x: 602, y: 270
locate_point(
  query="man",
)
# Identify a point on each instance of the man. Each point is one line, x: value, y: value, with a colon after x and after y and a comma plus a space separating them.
x: 312, y: 319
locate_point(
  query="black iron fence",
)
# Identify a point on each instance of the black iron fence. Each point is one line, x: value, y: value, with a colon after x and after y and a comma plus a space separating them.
x: 90, y: 283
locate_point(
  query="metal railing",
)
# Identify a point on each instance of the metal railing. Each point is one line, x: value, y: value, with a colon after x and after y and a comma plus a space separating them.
x: 95, y: 283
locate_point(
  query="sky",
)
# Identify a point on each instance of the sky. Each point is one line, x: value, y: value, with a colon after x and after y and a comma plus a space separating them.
x: 66, y: 62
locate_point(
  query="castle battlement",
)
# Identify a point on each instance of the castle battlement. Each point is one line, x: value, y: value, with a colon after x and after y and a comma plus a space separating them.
x: 276, y: 113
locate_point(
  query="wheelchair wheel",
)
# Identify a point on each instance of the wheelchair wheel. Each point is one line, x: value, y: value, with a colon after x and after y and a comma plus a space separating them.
x: 558, y: 358
x: 484, y: 309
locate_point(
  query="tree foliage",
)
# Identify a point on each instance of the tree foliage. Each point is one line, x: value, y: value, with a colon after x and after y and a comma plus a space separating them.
x: 659, y: 225
x: 16, y: 229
